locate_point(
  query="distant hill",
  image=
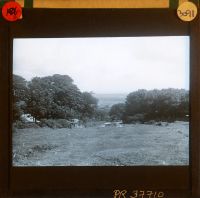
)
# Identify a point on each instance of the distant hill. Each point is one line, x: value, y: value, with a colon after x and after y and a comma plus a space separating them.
x: 110, y: 99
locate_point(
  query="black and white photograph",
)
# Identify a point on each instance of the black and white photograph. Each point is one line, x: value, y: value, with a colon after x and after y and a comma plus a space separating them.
x: 101, y: 101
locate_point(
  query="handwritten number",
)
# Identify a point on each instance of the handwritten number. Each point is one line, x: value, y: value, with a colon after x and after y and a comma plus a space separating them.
x: 149, y: 193
x: 135, y: 193
x: 160, y: 195
x: 189, y: 13
x: 138, y: 194
x: 141, y: 194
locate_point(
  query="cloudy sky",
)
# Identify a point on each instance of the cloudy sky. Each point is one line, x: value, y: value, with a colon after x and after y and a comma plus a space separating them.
x: 107, y: 65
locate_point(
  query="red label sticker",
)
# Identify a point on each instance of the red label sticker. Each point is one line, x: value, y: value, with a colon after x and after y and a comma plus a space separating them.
x: 12, y: 11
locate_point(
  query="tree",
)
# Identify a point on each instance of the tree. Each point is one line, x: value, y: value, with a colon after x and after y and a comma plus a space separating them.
x: 102, y: 113
x: 53, y: 97
x: 161, y: 105
x: 19, y: 88
x: 56, y: 97
x: 89, y: 105
x: 20, y: 94
x: 117, y: 111
x: 136, y: 104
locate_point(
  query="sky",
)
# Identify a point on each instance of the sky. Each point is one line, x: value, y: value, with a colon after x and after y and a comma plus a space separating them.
x: 107, y: 65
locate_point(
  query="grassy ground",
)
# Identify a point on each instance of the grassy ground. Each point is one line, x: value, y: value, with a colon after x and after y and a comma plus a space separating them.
x: 134, y: 144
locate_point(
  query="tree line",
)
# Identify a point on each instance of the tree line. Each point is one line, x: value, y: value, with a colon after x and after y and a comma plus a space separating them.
x: 51, y: 97
x: 158, y: 105
x: 57, y: 97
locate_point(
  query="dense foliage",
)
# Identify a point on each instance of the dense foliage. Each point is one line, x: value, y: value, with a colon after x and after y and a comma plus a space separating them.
x: 160, y: 105
x: 20, y: 91
x: 56, y: 97
x: 51, y: 97
x: 117, y: 111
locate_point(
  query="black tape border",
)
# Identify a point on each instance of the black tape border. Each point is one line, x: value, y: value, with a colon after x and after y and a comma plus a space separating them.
x: 28, y: 3
x: 175, y: 3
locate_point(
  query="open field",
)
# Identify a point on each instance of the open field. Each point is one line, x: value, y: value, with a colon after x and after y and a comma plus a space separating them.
x: 131, y: 144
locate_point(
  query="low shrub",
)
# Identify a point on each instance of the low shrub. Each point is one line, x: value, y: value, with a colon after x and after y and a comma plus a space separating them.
x: 64, y: 123
x: 137, y: 118
x: 23, y: 125
x: 58, y: 123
